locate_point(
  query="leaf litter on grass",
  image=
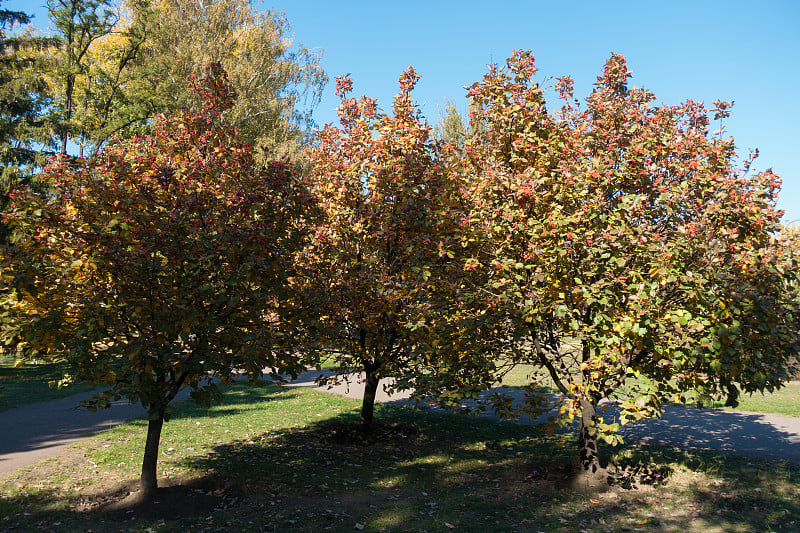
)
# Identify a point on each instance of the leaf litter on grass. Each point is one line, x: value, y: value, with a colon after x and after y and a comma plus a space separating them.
x: 266, y: 461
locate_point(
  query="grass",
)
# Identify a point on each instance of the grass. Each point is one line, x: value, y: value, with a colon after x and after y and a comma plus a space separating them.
x: 30, y: 383
x: 784, y: 401
x: 284, y: 460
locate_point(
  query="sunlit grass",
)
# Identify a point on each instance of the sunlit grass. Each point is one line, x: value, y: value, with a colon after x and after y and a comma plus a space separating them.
x: 784, y: 401
x: 277, y: 451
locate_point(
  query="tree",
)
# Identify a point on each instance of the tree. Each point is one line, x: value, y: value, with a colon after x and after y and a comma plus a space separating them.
x: 23, y: 99
x: 80, y: 23
x: 112, y: 93
x: 278, y: 83
x: 451, y: 127
x: 119, y: 65
x: 454, y: 128
x: 620, y: 244
x: 159, y: 263
x: 384, y: 198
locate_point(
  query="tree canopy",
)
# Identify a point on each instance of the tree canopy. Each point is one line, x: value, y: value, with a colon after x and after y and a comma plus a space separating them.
x: 23, y: 102
x: 384, y: 198
x: 160, y: 263
x: 620, y: 244
x: 277, y: 81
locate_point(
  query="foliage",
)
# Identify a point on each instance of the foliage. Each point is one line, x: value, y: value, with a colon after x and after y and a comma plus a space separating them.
x: 619, y: 243
x: 451, y: 127
x: 454, y: 128
x: 277, y: 82
x: 79, y: 24
x: 120, y: 64
x: 160, y: 262
x: 23, y: 98
x: 385, y: 200
x: 113, y: 94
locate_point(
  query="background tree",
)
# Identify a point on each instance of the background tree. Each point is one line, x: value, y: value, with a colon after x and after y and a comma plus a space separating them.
x: 451, y: 126
x: 455, y: 128
x: 620, y: 244
x: 112, y: 93
x: 277, y: 82
x: 158, y: 264
x: 23, y: 101
x: 119, y: 65
x: 384, y: 198
x: 79, y: 24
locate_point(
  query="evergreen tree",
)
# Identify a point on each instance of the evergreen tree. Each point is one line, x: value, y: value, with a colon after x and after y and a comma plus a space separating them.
x: 23, y: 100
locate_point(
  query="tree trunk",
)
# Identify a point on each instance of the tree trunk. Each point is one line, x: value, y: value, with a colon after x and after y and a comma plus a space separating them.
x: 368, y: 404
x: 148, y: 483
x: 591, y: 477
x: 587, y: 440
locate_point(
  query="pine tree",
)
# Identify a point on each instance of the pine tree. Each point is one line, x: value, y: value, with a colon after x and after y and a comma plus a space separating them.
x: 24, y: 142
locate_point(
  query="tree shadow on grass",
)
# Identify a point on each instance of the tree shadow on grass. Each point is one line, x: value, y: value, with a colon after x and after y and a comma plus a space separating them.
x: 426, y: 470
x: 434, y: 471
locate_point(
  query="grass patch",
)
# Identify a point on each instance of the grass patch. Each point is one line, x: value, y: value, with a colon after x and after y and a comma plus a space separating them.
x: 273, y: 459
x: 784, y: 401
x: 30, y: 383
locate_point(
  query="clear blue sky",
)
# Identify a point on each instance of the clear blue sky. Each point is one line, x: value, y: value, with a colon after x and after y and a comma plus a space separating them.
x: 744, y: 51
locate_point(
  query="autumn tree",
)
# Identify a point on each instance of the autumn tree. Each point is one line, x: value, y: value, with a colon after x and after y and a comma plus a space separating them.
x: 119, y: 64
x: 278, y: 82
x: 454, y: 128
x: 112, y: 94
x: 159, y: 264
x: 622, y: 251
x: 384, y: 198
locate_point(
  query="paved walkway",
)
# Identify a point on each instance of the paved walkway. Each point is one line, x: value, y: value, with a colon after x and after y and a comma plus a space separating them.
x: 35, y: 432
x: 766, y: 436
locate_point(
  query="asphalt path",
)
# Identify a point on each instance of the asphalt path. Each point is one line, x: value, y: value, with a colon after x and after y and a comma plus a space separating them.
x: 35, y: 432
x: 759, y: 435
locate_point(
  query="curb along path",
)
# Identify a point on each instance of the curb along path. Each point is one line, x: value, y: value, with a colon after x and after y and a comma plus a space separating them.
x: 35, y: 432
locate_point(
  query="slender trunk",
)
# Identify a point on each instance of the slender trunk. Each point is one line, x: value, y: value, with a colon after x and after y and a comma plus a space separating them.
x: 587, y: 440
x: 368, y: 404
x: 67, y: 113
x: 148, y: 483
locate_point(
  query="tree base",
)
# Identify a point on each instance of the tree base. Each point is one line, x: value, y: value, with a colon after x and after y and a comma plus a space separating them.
x: 587, y: 482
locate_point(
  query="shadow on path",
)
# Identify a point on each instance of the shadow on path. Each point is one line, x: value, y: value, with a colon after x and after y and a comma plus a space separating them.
x: 37, y: 431
x: 765, y: 436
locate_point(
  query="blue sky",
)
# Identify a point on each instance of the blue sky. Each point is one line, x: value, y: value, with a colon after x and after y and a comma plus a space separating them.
x: 743, y: 51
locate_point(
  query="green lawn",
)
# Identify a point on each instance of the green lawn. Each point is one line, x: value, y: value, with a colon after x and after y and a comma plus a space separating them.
x: 784, y: 401
x: 285, y: 460
x: 30, y: 383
